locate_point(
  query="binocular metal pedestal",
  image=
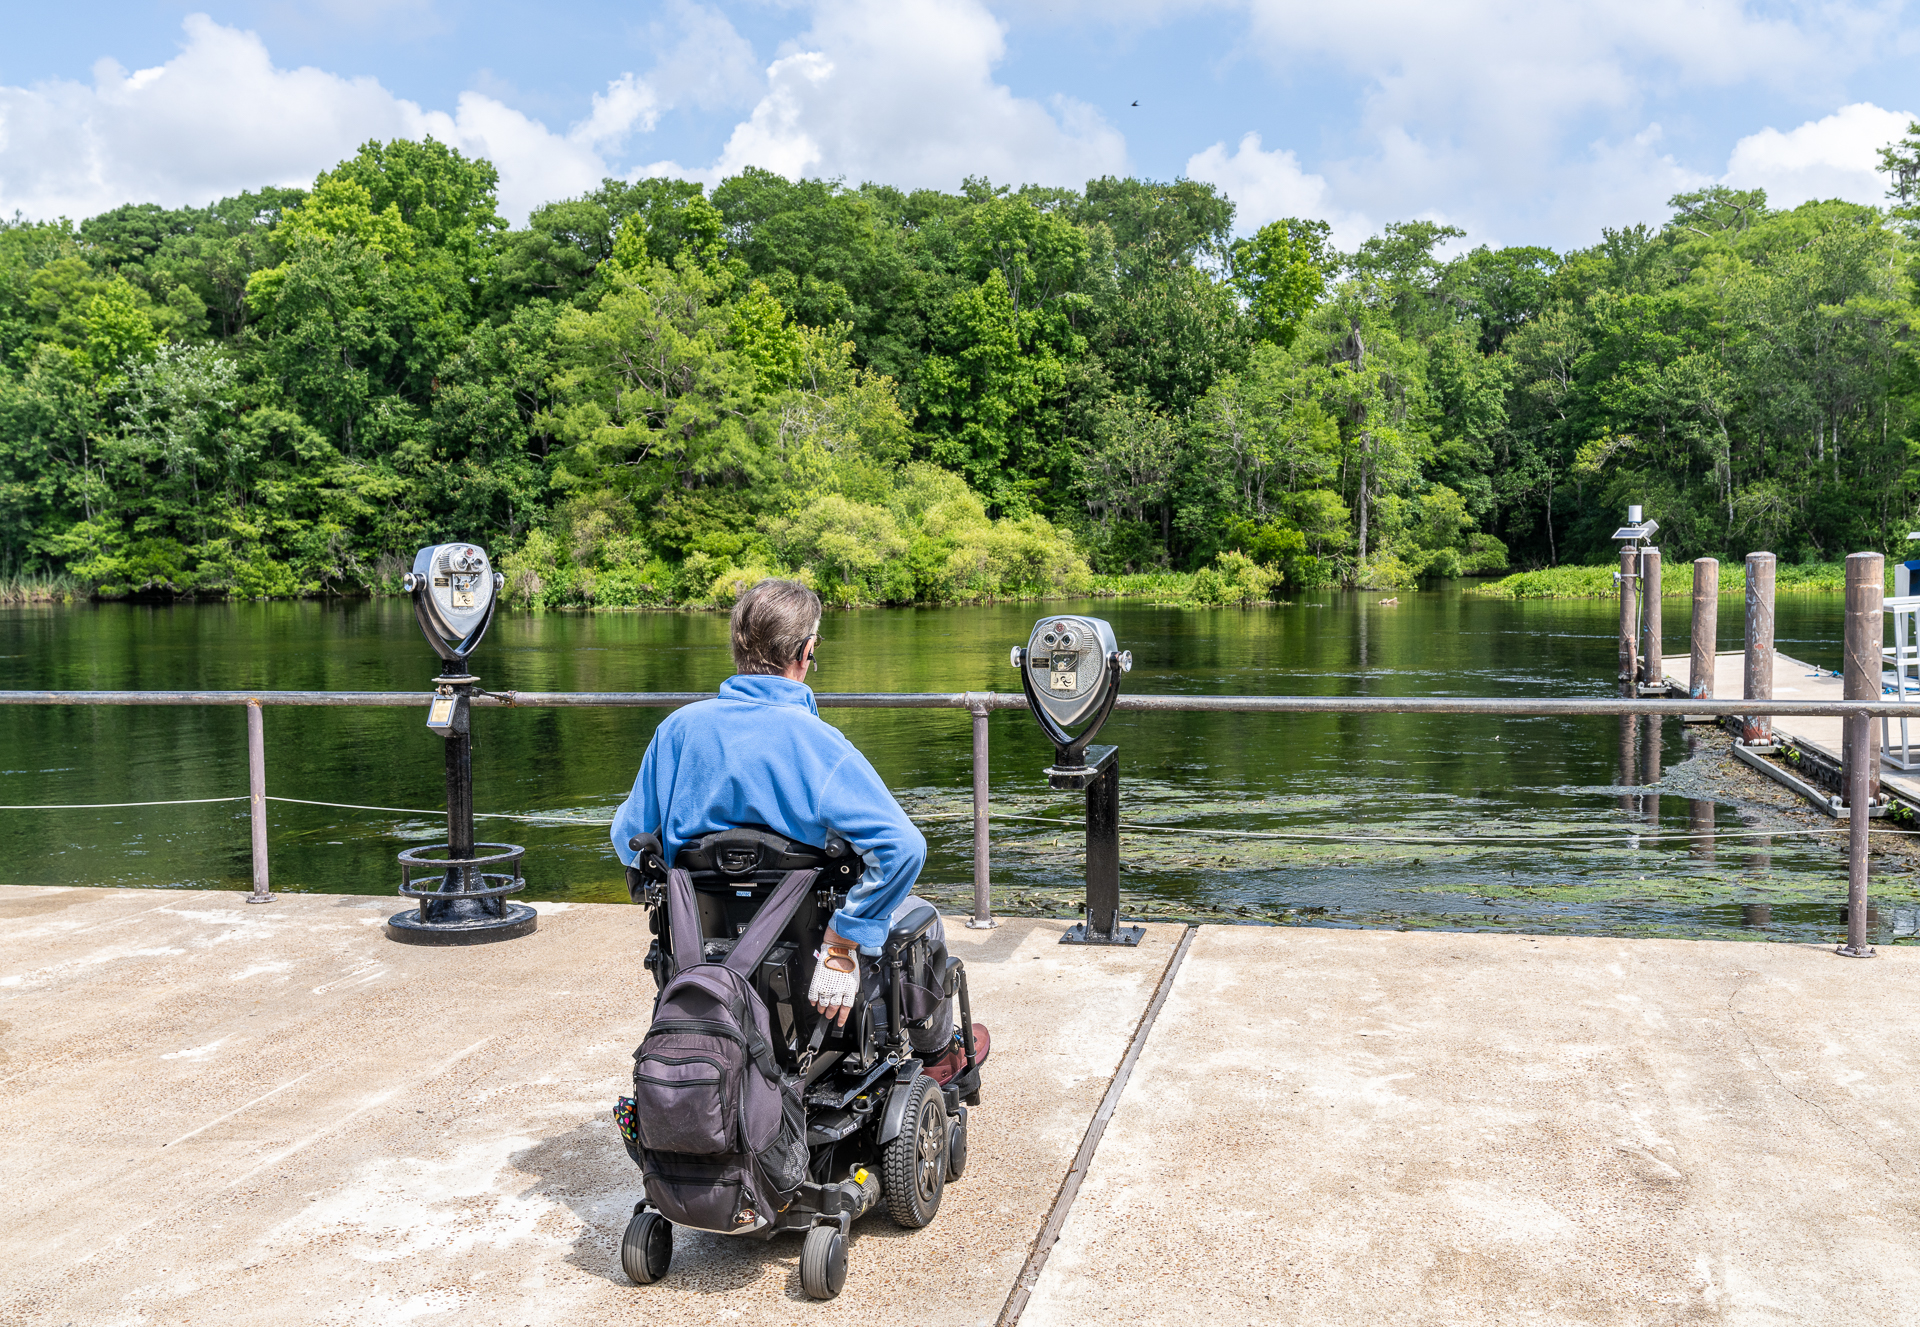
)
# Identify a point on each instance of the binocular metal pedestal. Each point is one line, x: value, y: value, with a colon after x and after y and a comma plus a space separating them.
x: 1100, y: 776
x: 468, y: 905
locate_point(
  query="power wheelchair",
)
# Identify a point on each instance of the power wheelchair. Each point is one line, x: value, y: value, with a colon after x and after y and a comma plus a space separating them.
x: 886, y: 1096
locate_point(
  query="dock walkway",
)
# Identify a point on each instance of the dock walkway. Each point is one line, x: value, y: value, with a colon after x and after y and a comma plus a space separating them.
x: 1795, y: 680
x: 224, y: 1114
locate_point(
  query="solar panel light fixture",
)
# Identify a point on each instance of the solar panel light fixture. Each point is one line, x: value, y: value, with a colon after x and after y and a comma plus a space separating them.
x: 1635, y: 528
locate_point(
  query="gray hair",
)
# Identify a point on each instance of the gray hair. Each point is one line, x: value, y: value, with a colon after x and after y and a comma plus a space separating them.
x: 771, y: 624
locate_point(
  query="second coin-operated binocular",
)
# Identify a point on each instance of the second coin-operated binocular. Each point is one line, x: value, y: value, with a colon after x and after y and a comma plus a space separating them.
x: 455, y: 591
x: 1070, y: 669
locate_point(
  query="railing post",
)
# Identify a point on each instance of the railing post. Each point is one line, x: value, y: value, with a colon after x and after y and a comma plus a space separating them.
x: 1653, y: 667
x: 1629, y: 618
x: 257, y: 800
x: 1861, y: 681
x: 1758, y: 676
x: 1706, y: 627
x: 982, y: 917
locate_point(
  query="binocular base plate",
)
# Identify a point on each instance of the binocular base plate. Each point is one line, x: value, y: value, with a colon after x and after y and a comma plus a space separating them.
x: 408, y: 929
x: 1078, y: 934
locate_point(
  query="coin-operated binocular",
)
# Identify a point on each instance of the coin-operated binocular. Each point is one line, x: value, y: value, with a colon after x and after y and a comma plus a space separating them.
x: 1070, y: 669
x: 455, y: 591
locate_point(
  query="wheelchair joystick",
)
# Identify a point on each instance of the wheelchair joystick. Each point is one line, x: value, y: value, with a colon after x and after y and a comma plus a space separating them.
x: 1070, y: 669
x: 455, y: 591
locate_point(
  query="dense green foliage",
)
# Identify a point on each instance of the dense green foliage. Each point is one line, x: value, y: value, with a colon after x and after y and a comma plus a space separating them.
x: 652, y: 394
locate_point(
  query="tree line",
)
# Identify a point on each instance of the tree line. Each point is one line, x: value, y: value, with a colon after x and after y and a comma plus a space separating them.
x: 655, y: 392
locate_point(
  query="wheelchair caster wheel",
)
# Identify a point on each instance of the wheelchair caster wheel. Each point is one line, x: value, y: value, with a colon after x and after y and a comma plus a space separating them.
x: 823, y: 1262
x: 646, y: 1248
x: 957, y: 1145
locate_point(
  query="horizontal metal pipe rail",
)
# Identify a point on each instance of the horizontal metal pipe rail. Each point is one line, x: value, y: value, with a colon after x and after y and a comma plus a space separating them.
x: 1517, y: 706
x: 979, y: 704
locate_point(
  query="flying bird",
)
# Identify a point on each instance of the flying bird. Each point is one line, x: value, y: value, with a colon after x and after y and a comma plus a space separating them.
x: 1136, y: 103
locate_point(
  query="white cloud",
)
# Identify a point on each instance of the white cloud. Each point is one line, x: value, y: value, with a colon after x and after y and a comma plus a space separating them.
x: 220, y: 117
x: 710, y: 67
x: 1267, y: 185
x: 902, y: 91
x: 1837, y: 156
x: 1477, y: 111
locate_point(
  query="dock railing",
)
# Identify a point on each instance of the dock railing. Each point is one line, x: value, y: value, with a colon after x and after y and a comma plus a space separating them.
x: 980, y: 704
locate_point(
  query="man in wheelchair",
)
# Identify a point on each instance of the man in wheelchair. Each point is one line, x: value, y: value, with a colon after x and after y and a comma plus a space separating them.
x: 759, y: 754
x: 753, y: 832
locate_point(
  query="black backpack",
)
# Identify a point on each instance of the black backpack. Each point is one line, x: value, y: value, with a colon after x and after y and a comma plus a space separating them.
x: 719, y: 1131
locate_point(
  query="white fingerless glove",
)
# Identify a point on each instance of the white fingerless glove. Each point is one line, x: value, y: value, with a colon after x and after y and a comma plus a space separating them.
x: 832, y: 989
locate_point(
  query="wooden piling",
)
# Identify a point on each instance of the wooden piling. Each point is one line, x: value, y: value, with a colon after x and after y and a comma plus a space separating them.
x: 1706, y: 627
x: 1860, y: 755
x: 1700, y: 828
x: 1653, y: 665
x: 1758, y: 677
x: 1629, y: 767
x: 1650, y: 768
x: 1629, y: 618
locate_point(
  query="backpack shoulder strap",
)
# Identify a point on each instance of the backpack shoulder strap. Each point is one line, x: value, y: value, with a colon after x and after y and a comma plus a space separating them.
x: 683, y: 920
x: 765, y: 928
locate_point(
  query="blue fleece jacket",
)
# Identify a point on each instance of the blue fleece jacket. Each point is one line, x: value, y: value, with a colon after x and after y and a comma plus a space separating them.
x: 759, y: 754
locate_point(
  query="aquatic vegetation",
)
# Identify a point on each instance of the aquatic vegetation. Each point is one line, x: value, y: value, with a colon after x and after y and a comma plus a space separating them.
x: 40, y: 588
x: 1598, y: 582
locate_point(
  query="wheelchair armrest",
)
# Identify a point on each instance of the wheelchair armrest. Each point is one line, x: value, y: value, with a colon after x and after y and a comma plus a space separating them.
x: 910, y: 928
x: 950, y: 976
x: 649, y: 859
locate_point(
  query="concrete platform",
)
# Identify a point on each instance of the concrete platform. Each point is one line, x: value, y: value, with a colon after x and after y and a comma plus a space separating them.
x: 230, y: 1114
x: 1365, y: 1127
x: 223, y: 1113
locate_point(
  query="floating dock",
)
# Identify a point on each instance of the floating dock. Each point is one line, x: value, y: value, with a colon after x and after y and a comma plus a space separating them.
x: 223, y: 1114
x: 1795, y: 680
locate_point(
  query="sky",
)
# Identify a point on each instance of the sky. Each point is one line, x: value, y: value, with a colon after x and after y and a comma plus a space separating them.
x: 1522, y: 123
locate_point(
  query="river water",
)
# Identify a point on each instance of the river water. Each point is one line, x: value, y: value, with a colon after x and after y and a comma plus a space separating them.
x: 1375, y: 820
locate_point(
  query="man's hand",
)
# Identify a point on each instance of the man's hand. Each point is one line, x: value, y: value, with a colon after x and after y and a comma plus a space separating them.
x: 836, y: 978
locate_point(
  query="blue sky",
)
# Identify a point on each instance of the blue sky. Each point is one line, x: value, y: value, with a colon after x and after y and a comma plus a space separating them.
x: 1524, y: 123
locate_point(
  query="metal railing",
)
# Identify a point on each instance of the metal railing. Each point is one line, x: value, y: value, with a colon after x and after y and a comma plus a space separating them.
x: 979, y: 704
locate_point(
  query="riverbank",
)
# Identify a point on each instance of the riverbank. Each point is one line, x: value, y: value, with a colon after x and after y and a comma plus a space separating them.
x: 228, y: 1114
x: 1600, y: 582
x: 38, y: 589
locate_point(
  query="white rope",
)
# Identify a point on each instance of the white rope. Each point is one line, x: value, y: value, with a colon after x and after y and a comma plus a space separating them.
x: 555, y: 817
x: 114, y: 806
x: 548, y: 817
